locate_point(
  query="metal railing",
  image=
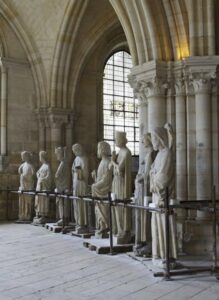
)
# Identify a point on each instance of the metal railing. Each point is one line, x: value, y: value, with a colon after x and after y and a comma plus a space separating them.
x: 204, y: 205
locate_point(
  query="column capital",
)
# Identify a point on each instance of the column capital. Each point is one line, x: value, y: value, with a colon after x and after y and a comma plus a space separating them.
x: 71, y: 120
x: 42, y: 117
x: 180, y: 87
x: 56, y: 121
x: 144, y: 89
x: 55, y: 118
x: 138, y: 89
x: 202, y: 82
x: 155, y: 87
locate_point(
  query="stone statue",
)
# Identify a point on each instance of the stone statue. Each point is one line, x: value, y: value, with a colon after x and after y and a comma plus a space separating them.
x: 62, y: 182
x: 26, y: 202
x: 44, y: 183
x: 122, y: 187
x: 143, y: 197
x: 80, y: 188
x: 101, y: 188
x: 162, y: 175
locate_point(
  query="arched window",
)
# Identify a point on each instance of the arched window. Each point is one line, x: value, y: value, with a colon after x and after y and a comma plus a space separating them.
x: 120, y: 110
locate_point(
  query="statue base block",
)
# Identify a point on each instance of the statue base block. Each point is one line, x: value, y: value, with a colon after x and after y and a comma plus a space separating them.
x: 53, y: 227
x: 68, y: 228
x: 86, y: 235
x: 198, y: 237
x: 102, y: 246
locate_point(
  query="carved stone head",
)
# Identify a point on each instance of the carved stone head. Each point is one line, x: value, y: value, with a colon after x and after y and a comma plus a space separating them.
x: 146, y: 140
x: 120, y: 139
x: 60, y: 153
x: 26, y: 156
x: 77, y: 149
x: 103, y: 148
x: 43, y: 156
x: 159, y: 138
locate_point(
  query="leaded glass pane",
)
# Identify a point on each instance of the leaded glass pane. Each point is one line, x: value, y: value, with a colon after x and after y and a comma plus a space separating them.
x: 120, y: 108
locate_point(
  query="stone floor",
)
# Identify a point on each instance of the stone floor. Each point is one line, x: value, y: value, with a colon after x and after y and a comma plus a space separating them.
x: 36, y: 264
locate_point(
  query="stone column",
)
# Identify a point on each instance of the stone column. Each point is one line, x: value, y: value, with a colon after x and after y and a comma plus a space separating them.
x: 69, y: 132
x: 202, y: 88
x: 3, y: 111
x: 56, y: 126
x: 143, y: 113
x: 181, y: 157
x: 139, y: 187
x: 42, y: 133
x: 155, y: 93
x: 191, y: 146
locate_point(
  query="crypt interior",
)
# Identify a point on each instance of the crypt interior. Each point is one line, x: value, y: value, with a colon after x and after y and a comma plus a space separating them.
x: 77, y: 72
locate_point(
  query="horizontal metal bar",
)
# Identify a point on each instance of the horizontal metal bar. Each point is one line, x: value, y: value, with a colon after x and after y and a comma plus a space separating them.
x: 197, y: 201
x: 199, y: 205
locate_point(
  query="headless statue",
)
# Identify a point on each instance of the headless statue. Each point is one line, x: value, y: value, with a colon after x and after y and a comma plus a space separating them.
x: 162, y: 175
x: 44, y: 183
x: 62, y: 186
x: 101, y: 188
x: 143, y: 197
x: 80, y: 188
x: 122, y: 188
x: 26, y: 202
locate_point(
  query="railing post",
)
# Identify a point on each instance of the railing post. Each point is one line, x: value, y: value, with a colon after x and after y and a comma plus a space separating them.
x: 110, y: 223
x: 167, y: 213
x: 214, y: 231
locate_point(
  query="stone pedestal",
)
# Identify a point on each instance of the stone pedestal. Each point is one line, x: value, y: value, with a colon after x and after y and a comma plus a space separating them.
x: 198, y: 237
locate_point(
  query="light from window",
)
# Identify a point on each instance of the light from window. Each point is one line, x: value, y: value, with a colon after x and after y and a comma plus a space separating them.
x: 120, y: 109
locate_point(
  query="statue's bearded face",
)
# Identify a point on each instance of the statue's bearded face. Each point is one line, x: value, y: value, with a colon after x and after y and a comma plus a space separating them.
x: 155, y: 142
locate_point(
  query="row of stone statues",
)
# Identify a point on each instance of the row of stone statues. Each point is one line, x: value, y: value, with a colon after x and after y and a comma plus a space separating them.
x: 156, y: 172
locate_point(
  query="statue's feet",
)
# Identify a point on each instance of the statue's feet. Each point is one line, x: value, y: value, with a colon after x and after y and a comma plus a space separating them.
x: 36, y: 220
x: 42, y: 220
x: 81, y: 229
x: 102, y: 233
x: 142, y: 249
x: 59, y: 223
x: 161, y: 263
